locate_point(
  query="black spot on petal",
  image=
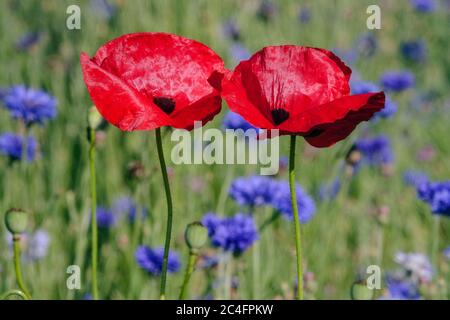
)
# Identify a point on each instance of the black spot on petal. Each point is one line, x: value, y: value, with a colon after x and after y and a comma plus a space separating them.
x: 279, y: 116
x: 166, y: 104
x: 314, y: 133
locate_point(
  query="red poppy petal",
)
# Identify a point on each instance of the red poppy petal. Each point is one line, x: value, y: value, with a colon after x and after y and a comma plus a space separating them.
x: 341, y: 64
x: 162, y: 65
x: 327, y: 134
x: 118, y: 103
x: 203, y: 110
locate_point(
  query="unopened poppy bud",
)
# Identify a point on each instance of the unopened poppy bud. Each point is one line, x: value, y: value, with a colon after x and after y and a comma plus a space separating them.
x: 360, y: 291
x: 16, y: 221
x: 94, y: 118
x: 196, y: 235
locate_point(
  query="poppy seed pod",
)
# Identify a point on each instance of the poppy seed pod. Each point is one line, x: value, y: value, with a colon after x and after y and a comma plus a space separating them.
x: 360, y: 291
x: 196, y: 235
x: 16, y: 221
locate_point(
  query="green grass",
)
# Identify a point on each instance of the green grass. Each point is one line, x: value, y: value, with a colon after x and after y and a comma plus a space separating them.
x: 342, y: 238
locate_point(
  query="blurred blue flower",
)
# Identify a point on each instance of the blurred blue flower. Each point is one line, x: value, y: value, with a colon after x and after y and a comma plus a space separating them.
x: 414, y: 50
x: 417, y: 265
x: 103, y: 8
x: 304, y: 15
x: 437, y: 195
x: 234, y: 234
x: 28, y: 40
x: 423, y: 6
x: 397, y: 80
x: 38, y: 245
x: 446, y: 253
x: 267, y: 10
x: 399, y: 289
x: 253, y: 190
x: 281, y: 201
x: 329, y: 191
x: 105, y: 218
x: 151, y: 260
x: 360, y: 87
x: 239, y: 52
x: 30, y: 105
x: 125, y: 206
x: 376, y: 151
x: 11, y: 145
x: 231, y: 30
x: 234, y: 121
x: 348, y: 56
x: 414, y: 178
x: 366, y: 44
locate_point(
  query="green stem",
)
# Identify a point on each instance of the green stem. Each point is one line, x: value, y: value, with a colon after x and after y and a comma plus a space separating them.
x: 187, y: 276
x: 298, y: 242
x: 17, y: 268
x: 18, y: 293
x: 435, y: 248
x: 94, y: 231
x: 169, y: 213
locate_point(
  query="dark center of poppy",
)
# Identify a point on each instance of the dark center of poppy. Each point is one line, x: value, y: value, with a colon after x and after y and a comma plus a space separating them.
x: 314, y: 133
x: 279, y: 116
x: 166, y: 104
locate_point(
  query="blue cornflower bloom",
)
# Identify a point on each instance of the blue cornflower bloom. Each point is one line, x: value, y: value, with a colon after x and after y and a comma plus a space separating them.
x: 417, y: 266
x: 366, y: 44
x: 330, y: 191
x: 397, y: 80
x: 253, y: 190
x: 234, y: 234
x: 376, y: 151
x: 414, y: 178
x: 399, y: 289
x: 437, y: 195
x: 423, y: 6
x: 11, y: 145
x: 151, y: 260
x: 234, y: 121
x: 304, y: 15
x: 30, y: 105
x: 38, y: 245
x: 414, y: 50
x: 267, y: 10
x: 239, y: 52
x: 105, y: 218
x: 446, y: 253
x: 28, y: 40
x: 125, y: 206
x: 231, y: 30
x: 103, y: 8
x: 281, y: 202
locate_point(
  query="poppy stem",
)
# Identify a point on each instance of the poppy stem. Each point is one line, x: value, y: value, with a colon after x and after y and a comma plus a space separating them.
x: 17, y: 268
x: 298, y: 239
x: 187, y: 276
x: 17, y: 293
x: 169, y: 212
x: 94, y: 228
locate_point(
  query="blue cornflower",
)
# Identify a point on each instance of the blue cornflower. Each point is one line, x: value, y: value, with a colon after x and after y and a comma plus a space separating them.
x: 231, y: 30
x: 253, y: 190
x: 234, y: 234
x: 423, y: 6
x: 105, y: 218
x: 11, y: 145
x: 38, y: 245
x: 125, y: 206
x: 30, y: 105
x: 234, y: 121
x: 446, y: 253
x: 330, y: 191
x: 348, y: 56
x: 417, y: 266
x: 267, y: 10
x: 413, y: 50
x: 399, y: 289
x: 103, y: 8
x: 239, y: 52
x: 376, y: 151
x: 28, y: 40
x: 281, y: 201
x: 366, y: 44
x: 397, y: 80
x: 414, y: 178
x: 304, y: 15
x: 437, y: 195
x: 151, y: 260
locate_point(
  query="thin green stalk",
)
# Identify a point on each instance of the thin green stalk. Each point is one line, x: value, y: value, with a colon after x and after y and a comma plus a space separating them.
x: 10, y: 293
x: 435, y: 248
x: 17, y: 268
x: 94, y: 231
x: 169, y: 213
x: 187, y: 276
x: 298, y: 241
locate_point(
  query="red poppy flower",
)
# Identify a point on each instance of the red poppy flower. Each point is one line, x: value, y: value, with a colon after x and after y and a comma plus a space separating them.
x: 143, y: 81
x: 300, y: 91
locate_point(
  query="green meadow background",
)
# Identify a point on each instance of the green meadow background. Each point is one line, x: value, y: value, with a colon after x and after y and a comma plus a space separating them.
x: 339, y: 242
